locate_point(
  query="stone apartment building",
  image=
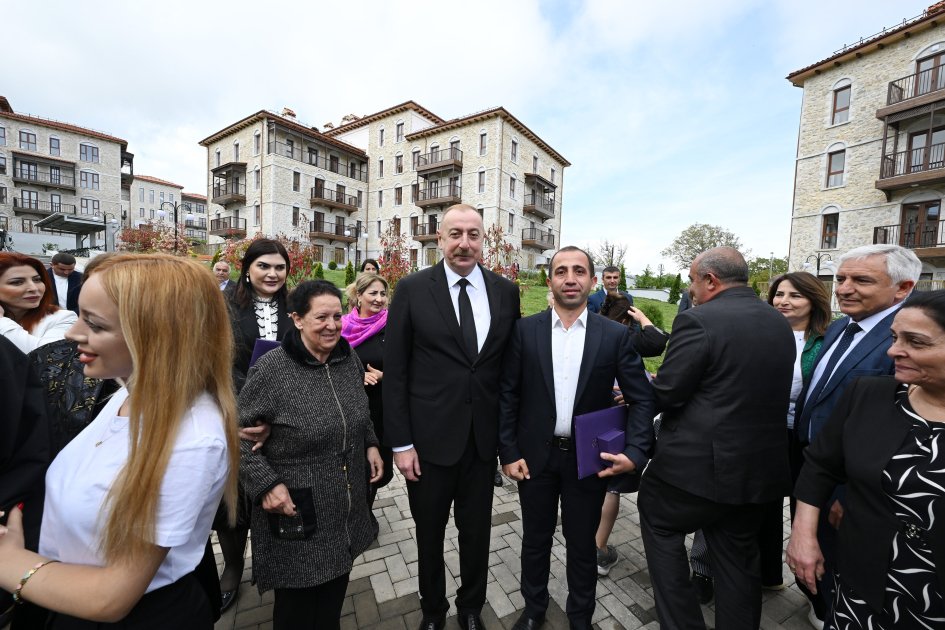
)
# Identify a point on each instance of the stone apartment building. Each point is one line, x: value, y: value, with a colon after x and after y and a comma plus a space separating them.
x: 59, y: 182
x: 871, y: 147
x: 153, y: 200
x: 398, y: 168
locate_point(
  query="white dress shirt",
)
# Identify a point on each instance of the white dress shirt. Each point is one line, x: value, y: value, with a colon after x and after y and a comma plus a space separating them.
x: 478, y: 298
x: 866, y: 325
x: 62, y: 289
x: 567, y: 351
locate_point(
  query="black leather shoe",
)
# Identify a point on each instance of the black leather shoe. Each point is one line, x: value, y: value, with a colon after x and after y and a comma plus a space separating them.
x: 470, y: 622
x: 227, y: 599
x: 528, y: 623
x: 428, y: 623
x: 498, y: 481
x: 704, y: 587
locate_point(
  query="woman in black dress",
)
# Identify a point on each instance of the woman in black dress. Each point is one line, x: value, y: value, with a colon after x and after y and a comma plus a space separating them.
x: 363, y: 329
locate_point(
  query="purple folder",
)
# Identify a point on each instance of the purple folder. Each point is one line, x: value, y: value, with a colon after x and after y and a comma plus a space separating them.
x: 262, y: 347
x: 588, y: 429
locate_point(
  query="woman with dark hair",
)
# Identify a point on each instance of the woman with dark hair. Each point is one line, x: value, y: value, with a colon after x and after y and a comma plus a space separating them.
x: 29, y: 316
x: 370, y: 266
x: 309, y: 482
x: 258, y: 311
x: 804, y: 301
x: 886, y: 442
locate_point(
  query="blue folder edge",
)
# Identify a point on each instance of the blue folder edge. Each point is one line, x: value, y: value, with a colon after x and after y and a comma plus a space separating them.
x: 262, y: 347
x: 587, y: 428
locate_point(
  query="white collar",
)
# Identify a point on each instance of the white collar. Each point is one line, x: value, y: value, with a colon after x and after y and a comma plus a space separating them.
x: 556, y: 320
x: 475, y: 277
x: 867, y: 323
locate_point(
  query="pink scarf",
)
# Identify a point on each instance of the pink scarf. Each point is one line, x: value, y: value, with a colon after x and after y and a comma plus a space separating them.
x: 356, y: 329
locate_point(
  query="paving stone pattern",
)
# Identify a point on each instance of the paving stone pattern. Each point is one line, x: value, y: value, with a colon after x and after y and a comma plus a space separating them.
x: 383, y: 592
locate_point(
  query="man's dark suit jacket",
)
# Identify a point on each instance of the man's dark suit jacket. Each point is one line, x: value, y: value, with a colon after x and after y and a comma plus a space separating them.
x: 433, y: 391
x: 72, y: 294
x: 723, y: 389
x: 864, y: 431
x: 230, y: 286
x: 596, y: 299
x: 867, y: 358
x: 527, y: 412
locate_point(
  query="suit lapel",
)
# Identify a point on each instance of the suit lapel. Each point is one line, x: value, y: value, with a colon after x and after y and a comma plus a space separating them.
x: 592, y: 339
x: 545, y: 361
x: 440, y: 293
x: 491, y: 280
x: 876, y: 336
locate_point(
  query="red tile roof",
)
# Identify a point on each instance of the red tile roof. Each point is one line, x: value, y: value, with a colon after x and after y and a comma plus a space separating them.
x: 286, y: 122
x: 6, y: 111
x: 364, y: 120
x: 194, y: 196
x: 155, y: 180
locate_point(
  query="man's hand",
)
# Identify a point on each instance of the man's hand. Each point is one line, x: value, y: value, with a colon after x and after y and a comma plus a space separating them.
x: 618, y: 396
x: 375, y: 463
x: 278, y: 501
x: 804, y: 559
x: 258, y: 434
x: 408, y: 464
x: 372, y: 376
x: 621, y: 464
x: 516, y: 470
x: 835, y: 515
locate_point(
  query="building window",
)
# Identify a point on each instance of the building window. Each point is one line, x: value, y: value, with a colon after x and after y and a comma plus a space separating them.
x: 416, y: 158
x: 88, y: 153
x: 27, y: 140
x: 55, y: 175
x: 3, y: 136
x: 514, y: 154
x: 162, y: 196
x: 141, y: 212
x: 835, y: 162
x: 4, y: 223
x: 360, y: 198
x: 54, y: 147
x: 398, y: 196
x: 313, y: 156
x: 380, y: 137
x: 256, y: 214
x: 152, y: 213
x: 141, y: 194
x: 380, y: 167
x: 295, y: 216
x: 841, y: 105
x: 552, y: 176
x: 400, y: 132
x: 380, y: 199
x: 378, y: 228
x: 511, y: 221
x: 218, y: 157
x: 482, y: 181
x: 257, y: 143
x: 3, y: 194
x: 829, y: 231
x: 483, y: 143
x: 257, y: 179
x: 151, y: 195
x: 512, y: 187
x: 534, y: 164
x: 289, y: 147
x: 399, y: 164
x: 28, y: 226
x: 3, y: 165
x: 89, y: 181
x: 296, y: 181
x: 414, y: 190
x: 236, y: 151
x: 89, y: 206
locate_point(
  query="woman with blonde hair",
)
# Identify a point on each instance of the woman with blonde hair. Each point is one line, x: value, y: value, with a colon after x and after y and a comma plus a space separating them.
x: 29, y: 316
x: 129, y: 501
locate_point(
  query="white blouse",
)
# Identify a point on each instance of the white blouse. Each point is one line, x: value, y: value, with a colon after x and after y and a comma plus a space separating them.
x: 51, y: 328
x: 80, y: 477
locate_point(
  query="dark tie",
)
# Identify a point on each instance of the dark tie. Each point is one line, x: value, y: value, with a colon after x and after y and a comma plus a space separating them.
x: 467, y: 323
x: 845, y: 340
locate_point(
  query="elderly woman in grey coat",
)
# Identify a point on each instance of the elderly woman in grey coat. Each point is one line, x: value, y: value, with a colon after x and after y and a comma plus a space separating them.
x: 309, y: 482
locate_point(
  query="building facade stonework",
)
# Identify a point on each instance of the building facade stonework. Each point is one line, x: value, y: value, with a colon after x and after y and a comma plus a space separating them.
x: 870, y: 164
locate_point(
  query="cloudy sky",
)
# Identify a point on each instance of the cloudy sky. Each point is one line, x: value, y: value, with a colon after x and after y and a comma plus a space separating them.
x: 670, y: 112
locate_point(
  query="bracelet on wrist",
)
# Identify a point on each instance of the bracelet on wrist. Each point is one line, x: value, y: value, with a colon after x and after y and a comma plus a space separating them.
x: 17, y: 596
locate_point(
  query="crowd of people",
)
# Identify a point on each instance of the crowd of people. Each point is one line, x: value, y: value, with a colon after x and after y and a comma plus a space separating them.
x: 149, y: 401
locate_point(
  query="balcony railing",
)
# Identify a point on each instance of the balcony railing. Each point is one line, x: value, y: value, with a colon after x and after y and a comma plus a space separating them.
x: 301, y: 154
x: 333, y: 231
x: 918, y: 160
x: 439, y: 195
x: 228, y: 227
x: 914, y: 85
x: 538, y: 238
x: 228, y: 191
x: 440, y: 158
x: 424, y: 233
x: 43, y: 177
x: 45, y: 207
x: 333, y: 198
x: 911, y: 235
x: 540, y: 205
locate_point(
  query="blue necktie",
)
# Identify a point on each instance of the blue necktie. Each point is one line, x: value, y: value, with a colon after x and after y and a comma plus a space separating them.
x: 845, y: 340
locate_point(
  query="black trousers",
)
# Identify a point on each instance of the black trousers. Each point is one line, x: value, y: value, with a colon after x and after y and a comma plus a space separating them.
x: 467, y: 485
x: 313, y: 608
x: 581, y: 502
x: 667, y: 514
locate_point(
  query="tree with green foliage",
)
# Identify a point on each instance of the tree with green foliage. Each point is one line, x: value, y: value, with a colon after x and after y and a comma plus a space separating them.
x: 349, y: 273
x: 332, y: 265
x: 319, y: 273
x: 698, y: 238
x: 622, y: 283
x: 646, y: 280
x: 653, y: 312
x: 542, y: 277
x: 761, y: 268
x: 674, y: 290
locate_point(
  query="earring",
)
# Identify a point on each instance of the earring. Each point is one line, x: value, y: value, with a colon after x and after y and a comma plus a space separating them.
x: 247, y: 279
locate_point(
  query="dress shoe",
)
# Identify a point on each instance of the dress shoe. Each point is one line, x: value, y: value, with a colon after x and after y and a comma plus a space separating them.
x: 528, y: 623
x: 498, y: 481
x: 470, y: 621
x: 227, y: 599
x: 429, y: 623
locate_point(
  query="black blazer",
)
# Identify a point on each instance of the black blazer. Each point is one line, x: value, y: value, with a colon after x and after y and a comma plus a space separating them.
x: 72, y: 294
x: 723, y: 389
x: 527, y: 412
x: 865, y: 430
x: 246, y: 332
x: 433, y: 391
x: 868, y: 358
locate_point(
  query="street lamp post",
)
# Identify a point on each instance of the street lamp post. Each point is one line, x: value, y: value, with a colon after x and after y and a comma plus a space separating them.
x: 821, y: 259
x: 109, y: 218
x: 176, y: 207
x: 348, y: 234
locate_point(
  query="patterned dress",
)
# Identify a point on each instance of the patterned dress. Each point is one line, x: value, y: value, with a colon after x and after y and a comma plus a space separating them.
x: 913, y: 480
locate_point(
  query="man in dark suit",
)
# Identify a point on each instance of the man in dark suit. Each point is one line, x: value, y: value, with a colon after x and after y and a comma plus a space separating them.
x: 871, y: 284
x: 610, y: 278
x: 561, y: 363
x: 446, y: 333
x: 221, y: 269
x: 723, y: 389
x: 65, y: 281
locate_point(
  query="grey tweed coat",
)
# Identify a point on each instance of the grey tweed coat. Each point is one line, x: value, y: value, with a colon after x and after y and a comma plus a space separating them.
x: 321, y: 428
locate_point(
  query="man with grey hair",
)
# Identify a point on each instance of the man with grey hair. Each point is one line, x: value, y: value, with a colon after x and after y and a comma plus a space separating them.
x: 722, y: 451
x: 872, y: 282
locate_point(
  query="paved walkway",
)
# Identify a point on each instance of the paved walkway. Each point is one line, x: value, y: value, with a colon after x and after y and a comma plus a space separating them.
x: 383, y: 593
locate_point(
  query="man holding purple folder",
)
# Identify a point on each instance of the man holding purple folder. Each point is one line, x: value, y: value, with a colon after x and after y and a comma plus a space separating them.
x: 559, y: 364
